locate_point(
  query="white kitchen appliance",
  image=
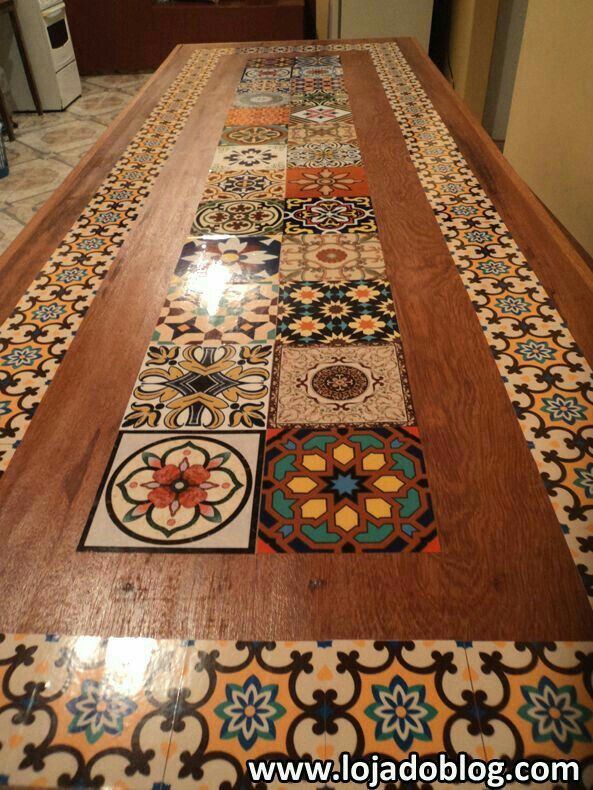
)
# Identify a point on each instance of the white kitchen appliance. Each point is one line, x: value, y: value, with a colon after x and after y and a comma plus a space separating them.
x: 47, y: 38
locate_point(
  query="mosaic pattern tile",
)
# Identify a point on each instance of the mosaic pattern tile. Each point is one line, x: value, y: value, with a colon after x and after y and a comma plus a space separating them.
x: 320, y: 351
x: 346, y: 312
x: 239, y: 218
x: 340, y: 385
x: 233, y: 259
x: 245, y: 184
x: 331, y: 257
x: 254, y: 135
x: 201, y: 387
x: 198, y: 312
x: 326, y: 182
x: 340, y: 132
x: 345, y: 490
x: 329, y: 215
x: 178, y: 491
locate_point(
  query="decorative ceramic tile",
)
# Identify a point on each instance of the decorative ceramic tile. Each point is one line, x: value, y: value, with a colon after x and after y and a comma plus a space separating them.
x: 340, y: 385
x: 200, y: 311
x: 326, y: 182
x: 324, y: 155
x: 254, y: 135
x: 175, y: 491
x: 255, y: 116
x: 270, y: 62
x: 318, y: 71
x: 331, y: 257
x: 196, y: 387
x: 320, y: 113
x: 251, y: 157
x: 266, y: 73
x: 326, y: 99
x: 340, y: 132
x: 86, y: 712
x: 263, y: 99
x: 308, y: 84
x: 256, y: 700
x: 239, y: 218
x: 302, y: 61
x: 263, y: 86
x: 346, y: 312
x: 245, y: 184
x: 535, y: 700
x: 230, y: 259
x: 329, y: 215
x: 344, y: 490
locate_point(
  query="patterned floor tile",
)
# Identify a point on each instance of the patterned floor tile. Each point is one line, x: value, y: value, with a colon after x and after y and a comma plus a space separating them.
x: 239, y: 218
x: 393, y: 698
x: 246, y: 701
x: 254, y: 135
x: 178, y: 492
x: 329, y: 215
x: 258, y: 116
x: 331, y: 257
x: 535, y: 700
x: 83, y: 712
x: 263, y: 99
x: 320, y: 113
x: 347, y: 312
x: 326, y: 182
x: 245, y: 184
x: 340, y: 132
x: 340, y: 385
x: 206, y: 311
x: 267, y: 73
x: 250, y: 157
x: 231, y: 259
x: 343, y: 490
x: 196, y: 387
x: 330, y: 154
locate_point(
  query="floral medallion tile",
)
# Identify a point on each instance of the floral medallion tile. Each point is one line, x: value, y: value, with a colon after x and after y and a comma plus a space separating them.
x: 535, y: 700
x: 203, y: 311
x: 230, y: 259
x: 85, y: 711
x: 178, y: 492
x: 258, y: 116
x: 331, y: 257
x: 261, y: 100
x: 326, y: 182
x: 345, y: 312
x: 254, y: 135
x: 318, y: 71
x: 239, y: 218
x: 246, y: 701
x: 341, y: 490
x: 249, y: 157
x: 329, y: 154
x: 319, y: 98
x: 340, y: 132
x: 320, y: 113
x: 340, y: 385
x: 266, y: 73
x: 195, y: 387
x: 329, y: 215
x: 245, y: 184
x: 310, y: 83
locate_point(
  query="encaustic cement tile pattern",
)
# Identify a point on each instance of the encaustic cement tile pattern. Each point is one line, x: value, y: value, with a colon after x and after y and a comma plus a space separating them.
x: 272, y: 412
x: 142, y: 713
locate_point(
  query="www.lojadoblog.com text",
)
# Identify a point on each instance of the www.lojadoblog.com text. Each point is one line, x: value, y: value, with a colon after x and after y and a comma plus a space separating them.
x: 373, y: 771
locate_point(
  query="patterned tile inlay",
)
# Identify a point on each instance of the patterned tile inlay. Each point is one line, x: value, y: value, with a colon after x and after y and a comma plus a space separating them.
x: 91, y: 712
x: 236, y: 351
x: 345, y: 490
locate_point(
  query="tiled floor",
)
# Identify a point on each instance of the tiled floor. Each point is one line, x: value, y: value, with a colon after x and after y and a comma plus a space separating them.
x: 49, y: 146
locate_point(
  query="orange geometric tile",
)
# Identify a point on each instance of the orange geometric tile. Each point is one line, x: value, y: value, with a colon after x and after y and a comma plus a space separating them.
x: 326, y: 182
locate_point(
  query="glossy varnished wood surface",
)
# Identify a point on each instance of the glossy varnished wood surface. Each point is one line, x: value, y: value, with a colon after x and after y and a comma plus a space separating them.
x: 504, y: 572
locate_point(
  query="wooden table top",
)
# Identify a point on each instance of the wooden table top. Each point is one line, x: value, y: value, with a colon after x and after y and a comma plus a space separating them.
x: 500, y: 384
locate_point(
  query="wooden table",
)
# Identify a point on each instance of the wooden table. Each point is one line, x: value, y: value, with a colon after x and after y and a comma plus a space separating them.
x: 504, y: 569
